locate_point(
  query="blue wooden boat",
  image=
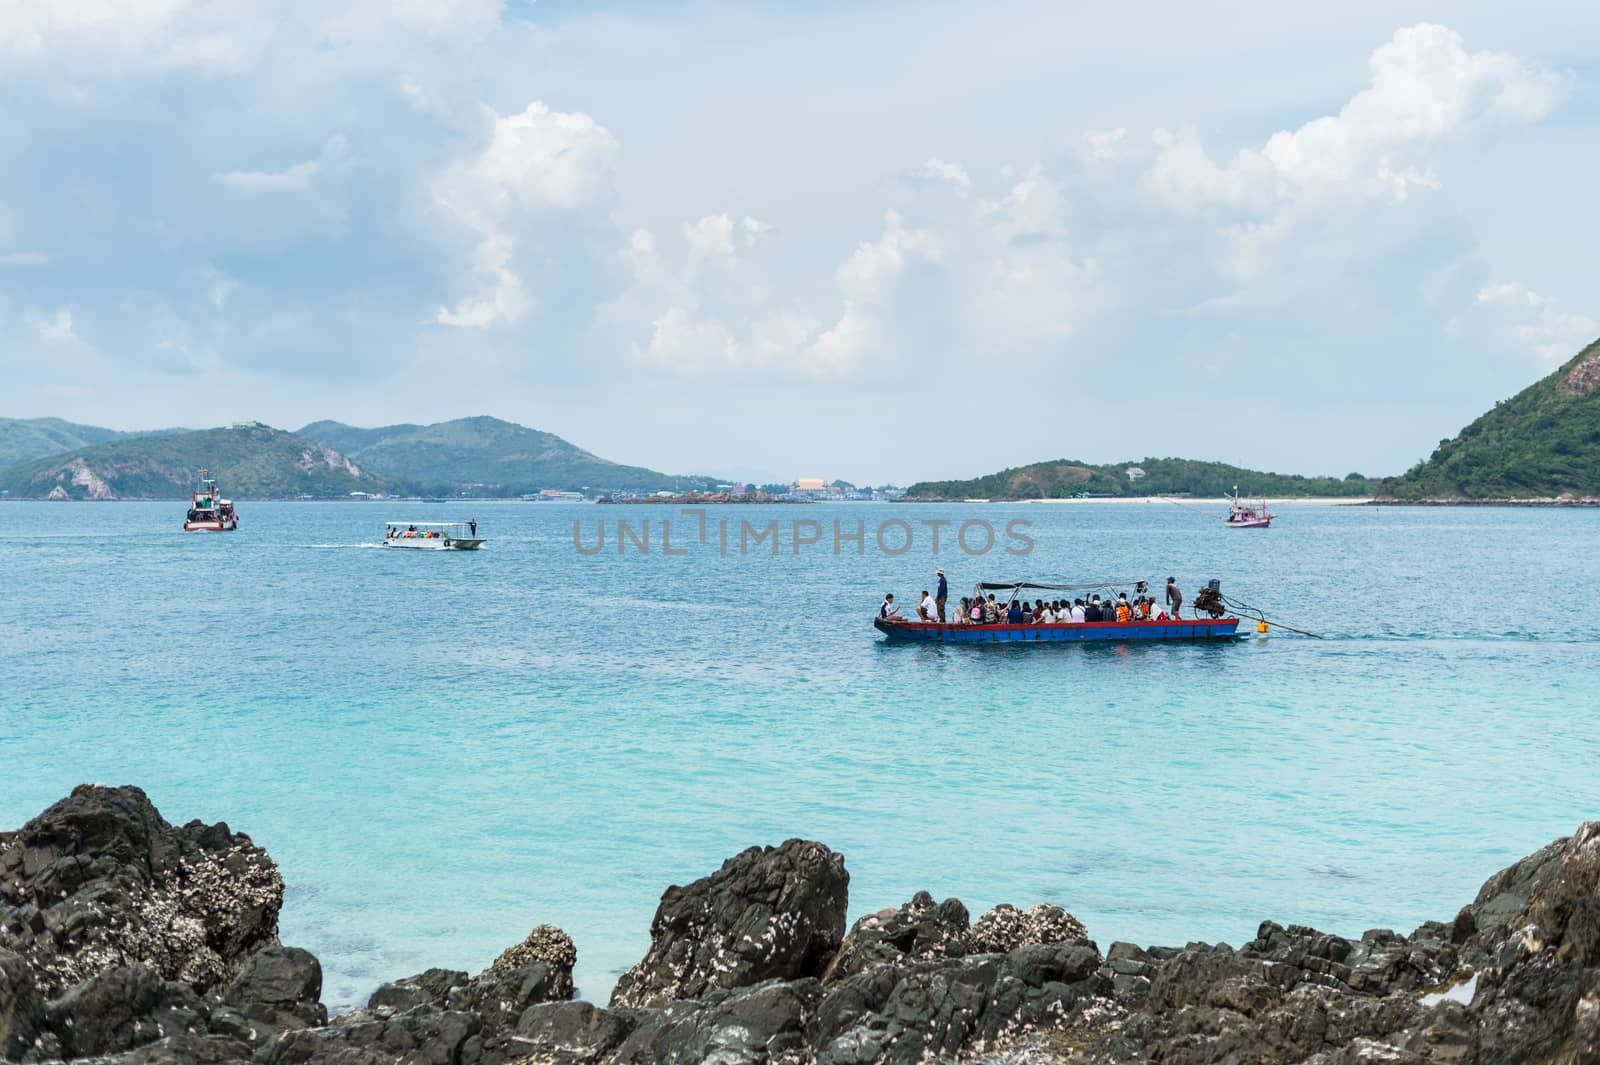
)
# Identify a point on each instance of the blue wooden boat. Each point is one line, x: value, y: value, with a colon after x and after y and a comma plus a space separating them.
x: 1217, y: 625
x: 1222, y: 628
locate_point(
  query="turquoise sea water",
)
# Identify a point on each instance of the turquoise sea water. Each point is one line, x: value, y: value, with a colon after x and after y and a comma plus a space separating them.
x: 442, y: 750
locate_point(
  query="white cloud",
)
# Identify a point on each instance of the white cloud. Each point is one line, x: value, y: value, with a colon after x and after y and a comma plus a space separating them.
x: 24, y: 258
x: 539, y: 164
x: 1105, y: 145
x: 713, y: 311
x: 537, y: 160
x: 712, y: 235
x: 1426, y: 87
x: 503, y: 301
x: 953, y: 174
x: 53, y: 328
x: 1026, y: 288
x: 716, y: 312
x: 296, y: 178
x: 103, y: 40
x: 1536, y: 324
x: 873, y: 269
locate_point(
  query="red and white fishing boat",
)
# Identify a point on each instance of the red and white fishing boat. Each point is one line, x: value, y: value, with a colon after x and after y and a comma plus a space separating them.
x: 208, y: 512
x: 1243, y: 514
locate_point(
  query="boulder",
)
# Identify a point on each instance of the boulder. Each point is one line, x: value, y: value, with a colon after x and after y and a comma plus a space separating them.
x: 100, y: 881
x: 121, y: 1008
x: 751, y: 965
x: 546, y: 944
x: 768, y: 913
x: 21, y: 1006
x: 916, y: 931
x: 429, y: 988
x: 575, y: 1031
x: 948, y: 1007
x: 441, y: 1015
x: 749, y: 1026
x: 280, y: 986
x: 1005, y: 928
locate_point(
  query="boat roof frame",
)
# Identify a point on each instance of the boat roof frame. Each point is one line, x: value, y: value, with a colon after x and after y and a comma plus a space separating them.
x: 429, y: 524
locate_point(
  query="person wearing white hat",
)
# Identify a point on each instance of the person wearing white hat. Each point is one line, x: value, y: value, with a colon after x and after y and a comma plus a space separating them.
x: 940, y: 595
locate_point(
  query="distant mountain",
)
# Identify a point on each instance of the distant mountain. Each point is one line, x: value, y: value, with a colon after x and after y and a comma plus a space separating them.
x: 1063, y: 479
x: 25, y: 439
x: 488, y: 456
x: 249, y: 462
x: 1542, y: 443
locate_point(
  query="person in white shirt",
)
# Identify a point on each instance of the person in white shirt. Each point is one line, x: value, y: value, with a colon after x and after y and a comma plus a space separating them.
x: 1077, y: 612
x: 890, y: 609
x: 928, y: 610
x: 1047, y: 617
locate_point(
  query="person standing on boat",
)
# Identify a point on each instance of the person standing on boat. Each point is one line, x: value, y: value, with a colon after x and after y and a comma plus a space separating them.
x: 473, y: 525
x: 940, y: 595
x: 1174, y: 598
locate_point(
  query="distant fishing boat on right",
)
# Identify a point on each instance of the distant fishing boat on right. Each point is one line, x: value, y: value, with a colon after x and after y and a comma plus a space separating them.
x: 1243, y: 514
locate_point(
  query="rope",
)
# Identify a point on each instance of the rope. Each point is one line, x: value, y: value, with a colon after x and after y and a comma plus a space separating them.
x: 1188, y: 506
x: 1254, y: 613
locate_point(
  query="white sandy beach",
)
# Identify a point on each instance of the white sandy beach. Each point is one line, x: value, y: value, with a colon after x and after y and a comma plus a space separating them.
x: 1201, y: 501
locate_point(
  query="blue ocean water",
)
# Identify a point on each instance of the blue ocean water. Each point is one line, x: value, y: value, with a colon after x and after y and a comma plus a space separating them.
x: 444, y: 749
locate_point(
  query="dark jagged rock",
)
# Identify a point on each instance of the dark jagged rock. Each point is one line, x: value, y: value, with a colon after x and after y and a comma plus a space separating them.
x: 922, y: 930
x: 442, y: 1015
x: 430, y: 988
x: 753, y: 969
x: 576, y: 1031
x: 280, y: 987
x: 919, y: 930
x: 750, y: 1026
x: 1005, y: 928
x: 768, y: 913
x: 99, y: 880
x: 21, y: 1006
x: 547, y: 944
x: 119, y: 930
x: 937, y: 1009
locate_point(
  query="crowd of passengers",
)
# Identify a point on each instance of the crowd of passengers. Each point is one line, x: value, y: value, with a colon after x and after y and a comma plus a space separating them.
x: 413, y: 533
x: 980, y: 611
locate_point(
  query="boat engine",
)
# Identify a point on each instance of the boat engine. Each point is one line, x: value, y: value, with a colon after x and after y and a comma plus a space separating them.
x: 1209, y: 599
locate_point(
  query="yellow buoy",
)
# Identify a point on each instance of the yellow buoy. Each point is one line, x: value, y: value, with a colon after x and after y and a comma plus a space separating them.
x: 1261, y: 627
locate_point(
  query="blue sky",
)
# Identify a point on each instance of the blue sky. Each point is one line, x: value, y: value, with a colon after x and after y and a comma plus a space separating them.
x: 871, y: 241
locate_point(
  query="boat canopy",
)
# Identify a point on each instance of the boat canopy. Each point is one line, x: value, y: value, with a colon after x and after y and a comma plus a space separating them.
x: 999, y: 586
x: 427, y: 525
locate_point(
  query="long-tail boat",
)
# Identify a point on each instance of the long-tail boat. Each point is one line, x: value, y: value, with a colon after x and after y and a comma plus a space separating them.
x: 1217, y: 624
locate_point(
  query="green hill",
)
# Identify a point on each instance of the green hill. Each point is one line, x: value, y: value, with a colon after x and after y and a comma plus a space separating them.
x: 1542, y: 443
x: 249, y: 462
x: 25, y: 439
x: 487, y: 456
x: 1063, y: 479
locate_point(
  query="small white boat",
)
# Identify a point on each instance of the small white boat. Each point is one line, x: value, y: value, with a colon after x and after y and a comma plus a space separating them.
x: 433, y: 535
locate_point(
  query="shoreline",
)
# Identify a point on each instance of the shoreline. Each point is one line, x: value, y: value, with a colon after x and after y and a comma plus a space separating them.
x: 132, y: 941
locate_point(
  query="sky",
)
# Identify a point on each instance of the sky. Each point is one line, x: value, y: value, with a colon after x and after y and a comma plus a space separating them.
x: 873, y: 241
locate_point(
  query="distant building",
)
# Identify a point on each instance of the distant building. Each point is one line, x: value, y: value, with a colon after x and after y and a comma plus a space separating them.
x: 811, y: 484
x: 1135, y: 473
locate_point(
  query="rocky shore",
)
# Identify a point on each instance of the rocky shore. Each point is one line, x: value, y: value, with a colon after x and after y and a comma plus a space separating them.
x: 125, y: 939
